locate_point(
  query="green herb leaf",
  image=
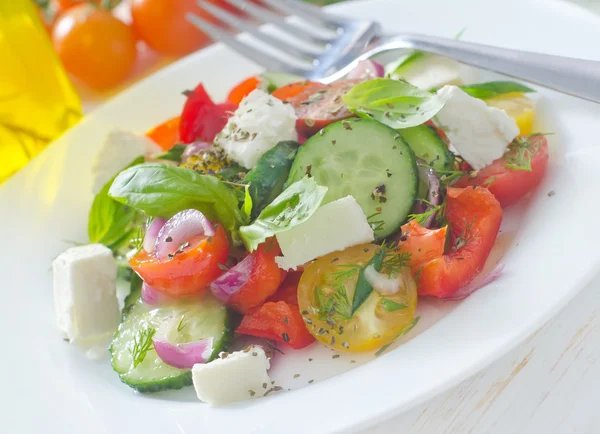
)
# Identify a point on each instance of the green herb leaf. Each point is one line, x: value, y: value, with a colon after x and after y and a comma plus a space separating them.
x: 363, y: 287
x: 161, y: 190
x: 494, y: 88
x: 404, y: 331
x: 110, y: 222
x: 173, y: 154
x: 247, y: 206
x: 142, y: 343
x: 292, y: 207
x: 394, y: 103
x: 391, y: 305
x: 520, y: 152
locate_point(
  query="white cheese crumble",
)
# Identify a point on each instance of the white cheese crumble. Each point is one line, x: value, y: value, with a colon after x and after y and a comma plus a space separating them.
x: 236, y: 376
x: 478, y: 133
x: 120, y: 148
x: 85, y: 299
x: 260, y: 122
x: 335, y: 226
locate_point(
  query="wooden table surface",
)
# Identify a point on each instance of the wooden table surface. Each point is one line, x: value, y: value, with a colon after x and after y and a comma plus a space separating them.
x: 550, y: 384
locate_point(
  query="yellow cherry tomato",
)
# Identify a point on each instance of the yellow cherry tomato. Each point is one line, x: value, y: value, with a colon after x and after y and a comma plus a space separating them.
x: 518, y: 106
x: 325, y: 295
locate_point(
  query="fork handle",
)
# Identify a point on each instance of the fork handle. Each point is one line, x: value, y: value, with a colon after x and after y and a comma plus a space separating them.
x: 576, y: 77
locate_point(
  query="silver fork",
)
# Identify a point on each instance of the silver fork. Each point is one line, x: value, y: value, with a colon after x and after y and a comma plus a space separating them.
x: 332, y: 46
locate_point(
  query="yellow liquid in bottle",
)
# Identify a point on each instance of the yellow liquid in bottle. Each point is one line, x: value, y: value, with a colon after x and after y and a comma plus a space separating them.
x: 37, y: 100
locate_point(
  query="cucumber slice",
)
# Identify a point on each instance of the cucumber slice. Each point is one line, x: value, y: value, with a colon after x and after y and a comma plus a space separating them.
x: 367, y: 160
x: 275, y: 80
x: 201, y: 319
x: 427, y: 145
x: 266, y: 179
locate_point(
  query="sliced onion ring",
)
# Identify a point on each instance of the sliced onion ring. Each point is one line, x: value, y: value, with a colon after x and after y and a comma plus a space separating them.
x: 193, y: 149
x: 233, y: 280
x: 153, y: 296
x: 381, y: 283
x: 366, y: 70
x: 477, y: 284
x: 434, y: 196
x: 184, y: 227
x: 181, y: 356
x: 151, y: 233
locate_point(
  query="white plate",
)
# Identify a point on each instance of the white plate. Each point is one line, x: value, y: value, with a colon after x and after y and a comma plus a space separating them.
x: 49, y: 387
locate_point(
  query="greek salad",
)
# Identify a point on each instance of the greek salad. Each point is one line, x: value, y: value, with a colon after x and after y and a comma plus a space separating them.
x: 294, y: 212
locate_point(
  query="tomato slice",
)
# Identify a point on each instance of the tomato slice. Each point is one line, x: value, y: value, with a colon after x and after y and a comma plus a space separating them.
x: 201, y: 118
x: 289, y: 91
x: 186, y: 273
x: 265, y: 278
x: 474, y: 216
x: 277, y: 321
x: 243, y: 89
x: 288, y: 290
x: 166, y: 135
x: 507, y: 184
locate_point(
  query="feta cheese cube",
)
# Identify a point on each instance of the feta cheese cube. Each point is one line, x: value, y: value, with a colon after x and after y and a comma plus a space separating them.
x: 260, y: 122
x: 120, y: 149
x: 478, y: 133
x: 335, y: 226
x: 85, y: 297
x: 431, y: 71
x: 234, y: 377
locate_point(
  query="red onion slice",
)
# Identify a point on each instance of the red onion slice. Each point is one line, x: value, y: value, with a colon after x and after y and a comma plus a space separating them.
x: 366, y: 70
x: 233, y: 280
x: 181, y: 356
x: 151, y: 233
x: 193, y: 149
x: 465, y: 291
x: 434, y: 196
x: 180, y: 232
x: 153, y: 296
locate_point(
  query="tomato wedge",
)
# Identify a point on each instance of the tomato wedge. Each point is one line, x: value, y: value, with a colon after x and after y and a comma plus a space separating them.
x: 507, y: 183
x: 186, y: 273
x: 166, y: 135
x: 201, y: 118
x: 243, y: 89
x: 277, y: 321
x: 289, y: 91
x: 288, y: 290
x: 422, y: 244
x: 265, y: 278
x: 474, y: 216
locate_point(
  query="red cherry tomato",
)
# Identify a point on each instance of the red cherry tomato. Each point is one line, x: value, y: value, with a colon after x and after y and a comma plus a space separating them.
x: 265, y: 278
x: 201, y: 118
x: 187, y: 273
x: 474, y: 216
x: 280, y: 322
x: 291, y: 90
x: 166, y: 135
x: 509, y: 185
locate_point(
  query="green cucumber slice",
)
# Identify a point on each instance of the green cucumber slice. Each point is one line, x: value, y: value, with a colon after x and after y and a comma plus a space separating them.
x: 267, y: 178
x: 202, y: 318
x: 367, y: 160
x: 427, y: 145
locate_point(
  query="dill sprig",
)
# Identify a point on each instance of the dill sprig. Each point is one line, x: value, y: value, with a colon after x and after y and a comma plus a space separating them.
x: 437, y: 210
x: 521, y: 150
x: 394, y: 259
x: 142, y: 343
x: 376, y: 225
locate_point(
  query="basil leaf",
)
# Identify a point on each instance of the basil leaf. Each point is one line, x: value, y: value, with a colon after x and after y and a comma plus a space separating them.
x: 363, y: 288
x: 173, y: 154
x: 394, y: 103
x: 391, y: 305
x: 495, y: 88
x: 247, y: 204
x: 292, y: 207
x: 109, y: 221
x: 161, y: 190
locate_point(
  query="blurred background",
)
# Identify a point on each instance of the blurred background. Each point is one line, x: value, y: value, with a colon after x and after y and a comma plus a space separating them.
x: 61, y: 58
